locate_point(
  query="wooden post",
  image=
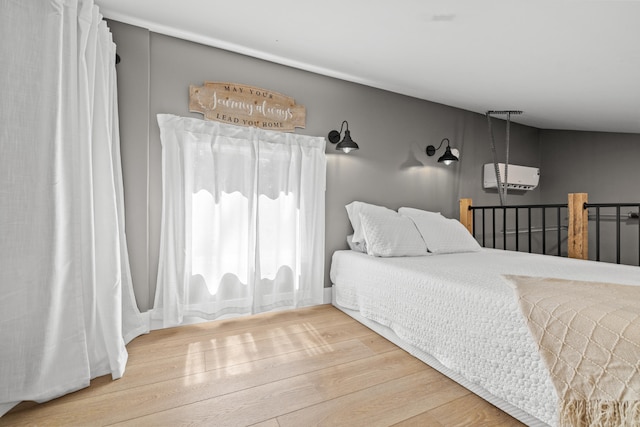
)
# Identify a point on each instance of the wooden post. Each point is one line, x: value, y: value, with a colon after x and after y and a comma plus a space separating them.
x: 466, y: 214
x: 578, y: 239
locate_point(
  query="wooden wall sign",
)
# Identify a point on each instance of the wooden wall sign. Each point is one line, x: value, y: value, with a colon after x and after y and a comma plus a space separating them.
x: 244, y: 105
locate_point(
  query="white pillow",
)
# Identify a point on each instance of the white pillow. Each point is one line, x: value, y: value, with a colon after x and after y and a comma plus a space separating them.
x: 413, y: 211
x: 441, y: 235
x: 353, y: 211
x: 358, y: 247
x: 391, y: 235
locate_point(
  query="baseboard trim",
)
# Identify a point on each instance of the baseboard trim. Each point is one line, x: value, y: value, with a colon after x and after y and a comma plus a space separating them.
x: 327, y: 295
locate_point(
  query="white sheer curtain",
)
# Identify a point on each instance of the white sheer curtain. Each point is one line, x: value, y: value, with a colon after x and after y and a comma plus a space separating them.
x: 66, y: 299
x: 242, y: 220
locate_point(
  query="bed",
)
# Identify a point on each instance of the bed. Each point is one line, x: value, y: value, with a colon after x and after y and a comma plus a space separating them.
x: 449, y: 302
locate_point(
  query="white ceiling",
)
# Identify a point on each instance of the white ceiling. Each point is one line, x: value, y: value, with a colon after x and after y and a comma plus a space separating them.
x: 568, y: 64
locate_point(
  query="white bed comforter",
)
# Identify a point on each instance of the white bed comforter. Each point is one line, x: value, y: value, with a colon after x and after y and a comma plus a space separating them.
x: 459, y: 309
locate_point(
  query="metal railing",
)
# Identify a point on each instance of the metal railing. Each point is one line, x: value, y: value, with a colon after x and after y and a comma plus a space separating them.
x: 529, y: 229
x: 556, y: 218
x: 598, y: 218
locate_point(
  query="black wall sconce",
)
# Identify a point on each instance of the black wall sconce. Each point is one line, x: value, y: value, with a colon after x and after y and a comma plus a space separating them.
x: 347, y: 144
x: 447, y: 158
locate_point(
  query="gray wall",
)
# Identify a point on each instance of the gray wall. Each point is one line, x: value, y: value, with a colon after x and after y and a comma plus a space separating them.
x: 133, y: 106
x: 604, y: 165
x: 392, y: 130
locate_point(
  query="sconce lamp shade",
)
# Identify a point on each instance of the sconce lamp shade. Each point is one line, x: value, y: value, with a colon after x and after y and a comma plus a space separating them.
x: 447, y: 158
x: 347, y: 144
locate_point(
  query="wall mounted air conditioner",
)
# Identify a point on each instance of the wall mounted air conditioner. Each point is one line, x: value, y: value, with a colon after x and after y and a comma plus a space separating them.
x: 520, y: 177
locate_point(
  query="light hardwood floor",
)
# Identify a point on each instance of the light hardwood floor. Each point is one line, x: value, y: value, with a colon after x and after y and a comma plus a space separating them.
x: 306, y: 367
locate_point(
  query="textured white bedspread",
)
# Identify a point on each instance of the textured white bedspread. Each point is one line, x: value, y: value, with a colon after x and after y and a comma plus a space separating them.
x: 459, y: 309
